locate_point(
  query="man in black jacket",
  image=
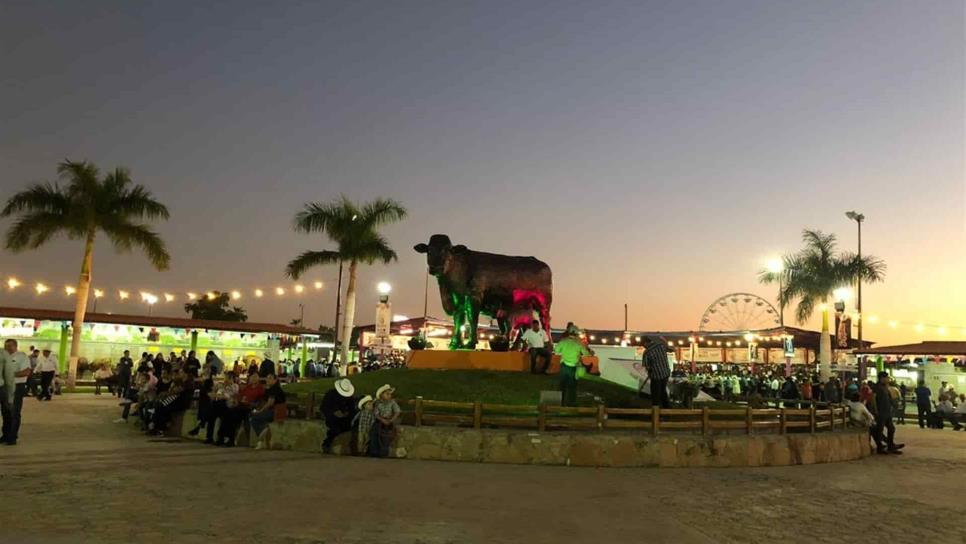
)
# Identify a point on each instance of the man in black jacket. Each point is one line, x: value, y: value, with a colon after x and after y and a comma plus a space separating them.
x: 338, y: 409
x: 882, y: 404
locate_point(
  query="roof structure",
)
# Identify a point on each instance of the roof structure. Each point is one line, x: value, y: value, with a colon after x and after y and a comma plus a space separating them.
x: 922, y: 348
x: 770, y: 337
x: 155, y: 321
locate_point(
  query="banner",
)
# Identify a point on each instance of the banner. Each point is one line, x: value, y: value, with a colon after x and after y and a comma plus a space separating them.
x: 843, y: 331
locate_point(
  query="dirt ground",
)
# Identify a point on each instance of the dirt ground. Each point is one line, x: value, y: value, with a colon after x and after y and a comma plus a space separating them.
x: 77, y: 477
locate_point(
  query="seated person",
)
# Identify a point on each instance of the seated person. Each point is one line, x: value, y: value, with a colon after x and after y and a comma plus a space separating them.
x: 176, y: 399
x: 946, y: 410
x: 265, y: 414
x: 338, y: 409
x: 103, y: 376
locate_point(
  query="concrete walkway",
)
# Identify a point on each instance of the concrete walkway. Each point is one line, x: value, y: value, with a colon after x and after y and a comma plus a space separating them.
x: 76, y: 477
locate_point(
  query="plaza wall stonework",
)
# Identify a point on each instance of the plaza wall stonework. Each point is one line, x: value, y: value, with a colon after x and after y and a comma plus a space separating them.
x: 591, y: 449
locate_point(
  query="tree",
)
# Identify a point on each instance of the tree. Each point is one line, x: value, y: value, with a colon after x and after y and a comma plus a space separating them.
x: 352, y: 229
x: 89, y: 204
x: 811, y: 275
x: 215, y: 307
x: 326, y: 333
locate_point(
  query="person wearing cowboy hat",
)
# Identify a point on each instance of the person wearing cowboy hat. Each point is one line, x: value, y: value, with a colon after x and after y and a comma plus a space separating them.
x: 338, y: 409
x: 386, y: 412
x: 363, y: 423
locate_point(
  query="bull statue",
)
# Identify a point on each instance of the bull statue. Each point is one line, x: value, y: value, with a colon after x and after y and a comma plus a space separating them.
x: 508, y: 289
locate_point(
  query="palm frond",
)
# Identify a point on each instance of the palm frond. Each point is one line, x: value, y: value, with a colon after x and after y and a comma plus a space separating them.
x: 138, y: 202
x: 82, y: 176
x: 34, y: 230
x: 299, y: 265
x: 40, y: 197
x: 382, y: 211
x: 126, y: 236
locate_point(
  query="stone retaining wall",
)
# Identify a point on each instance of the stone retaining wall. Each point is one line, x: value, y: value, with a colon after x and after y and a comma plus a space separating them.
x: 597, y: 449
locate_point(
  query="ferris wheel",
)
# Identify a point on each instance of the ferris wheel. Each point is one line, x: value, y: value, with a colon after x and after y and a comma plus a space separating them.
x: 739, y: 312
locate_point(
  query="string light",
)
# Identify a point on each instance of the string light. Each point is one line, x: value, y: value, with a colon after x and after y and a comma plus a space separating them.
x: 168, y: 297
x: 299, y: 289
x: 70, y: 290
x: 235, y: 295
x: 279, y: 291
x: 893, y: 324
x: 318, y: 285
x: 123, y: 295
x: 210, y: 295
x: 941, y: 331
x: 98, y: 293
x: 192, y: 296
x: 258, y: 293
x: 13, y: 283
x: 41, y: 288
x: 920, y: 327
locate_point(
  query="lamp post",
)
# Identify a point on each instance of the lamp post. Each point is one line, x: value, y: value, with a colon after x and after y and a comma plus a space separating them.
x: 859, y: 219
x: 777, y: 267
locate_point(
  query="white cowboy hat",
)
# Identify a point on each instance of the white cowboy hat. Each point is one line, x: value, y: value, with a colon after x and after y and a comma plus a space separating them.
x: 383, y: 389
x: 345, y: 387
x: 365, y: 399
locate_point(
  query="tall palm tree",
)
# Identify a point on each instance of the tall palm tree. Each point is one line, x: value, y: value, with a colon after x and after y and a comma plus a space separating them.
x: 811, y: 275
x: 352, y: 228
x: 88, y: 204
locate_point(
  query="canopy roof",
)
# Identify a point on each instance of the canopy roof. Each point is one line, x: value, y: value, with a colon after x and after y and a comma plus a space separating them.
x: 922, y: 348
x: 772, y: 337
x: 40, y: 314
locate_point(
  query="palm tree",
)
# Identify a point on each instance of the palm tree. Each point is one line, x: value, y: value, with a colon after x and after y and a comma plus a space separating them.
x: 813, y: 274
x: 89, y: 203
x: 352, y: 229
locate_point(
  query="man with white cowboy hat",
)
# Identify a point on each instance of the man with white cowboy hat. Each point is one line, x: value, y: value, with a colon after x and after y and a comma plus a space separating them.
x: 338, y: 409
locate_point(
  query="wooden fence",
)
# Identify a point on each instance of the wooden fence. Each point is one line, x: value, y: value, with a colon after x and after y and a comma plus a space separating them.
x: 542, y: 417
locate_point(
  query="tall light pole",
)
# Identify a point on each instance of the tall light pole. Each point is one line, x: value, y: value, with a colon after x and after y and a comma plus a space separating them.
x: 859, y: 218
x: 777, y: 267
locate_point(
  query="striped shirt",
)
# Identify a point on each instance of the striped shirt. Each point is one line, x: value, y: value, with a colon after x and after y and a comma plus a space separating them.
x: 655, y: 360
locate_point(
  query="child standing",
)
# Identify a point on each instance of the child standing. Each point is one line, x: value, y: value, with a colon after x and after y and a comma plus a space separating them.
x: 363, y: 424
x: 386, y: 412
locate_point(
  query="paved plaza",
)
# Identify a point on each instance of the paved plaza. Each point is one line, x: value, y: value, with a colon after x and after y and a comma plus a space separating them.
x: 77, y: 477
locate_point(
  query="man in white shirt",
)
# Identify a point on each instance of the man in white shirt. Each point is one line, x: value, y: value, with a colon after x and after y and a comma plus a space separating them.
x: 537, y: 341
x: 47, y: 366
x: 16, y: 370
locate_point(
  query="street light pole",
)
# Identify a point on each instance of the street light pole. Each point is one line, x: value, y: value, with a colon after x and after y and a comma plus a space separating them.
x: 859, y: 218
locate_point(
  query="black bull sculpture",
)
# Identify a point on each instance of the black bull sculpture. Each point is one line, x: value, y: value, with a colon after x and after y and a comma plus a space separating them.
x: 508, y: 289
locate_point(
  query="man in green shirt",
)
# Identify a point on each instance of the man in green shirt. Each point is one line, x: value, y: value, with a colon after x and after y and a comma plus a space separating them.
x: 570, y: 350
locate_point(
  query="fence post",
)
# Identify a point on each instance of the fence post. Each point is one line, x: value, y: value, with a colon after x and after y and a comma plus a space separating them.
x: 705, y: 420
x: 811, y: 418
x: 831, y: 418
x: 655, y: 420
x: 419, y: 411
x: 542, y: 417
x: 477, y: 414
x: 783, y: 418
x: 748, y: 420
x: 601, y: 417
x: 311, y: 411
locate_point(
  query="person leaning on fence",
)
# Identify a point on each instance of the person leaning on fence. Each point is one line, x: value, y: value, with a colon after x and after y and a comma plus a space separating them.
x: 386, y: 413
x: 861, y: 416
x: 658, y: 370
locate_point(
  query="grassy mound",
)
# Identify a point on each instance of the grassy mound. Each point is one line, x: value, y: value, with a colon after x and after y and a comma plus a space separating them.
x: 476, y: 385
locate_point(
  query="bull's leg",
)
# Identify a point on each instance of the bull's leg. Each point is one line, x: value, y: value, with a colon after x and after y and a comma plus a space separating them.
x: 473, y: 317
x: 459, y: 317
x: 545, y: 319
x: 504, y: 324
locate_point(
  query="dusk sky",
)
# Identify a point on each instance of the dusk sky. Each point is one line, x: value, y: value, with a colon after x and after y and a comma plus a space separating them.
x: 652, y: 153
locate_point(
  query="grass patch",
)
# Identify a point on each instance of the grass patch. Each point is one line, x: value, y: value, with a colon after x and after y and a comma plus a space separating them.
x: 476, y: 385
